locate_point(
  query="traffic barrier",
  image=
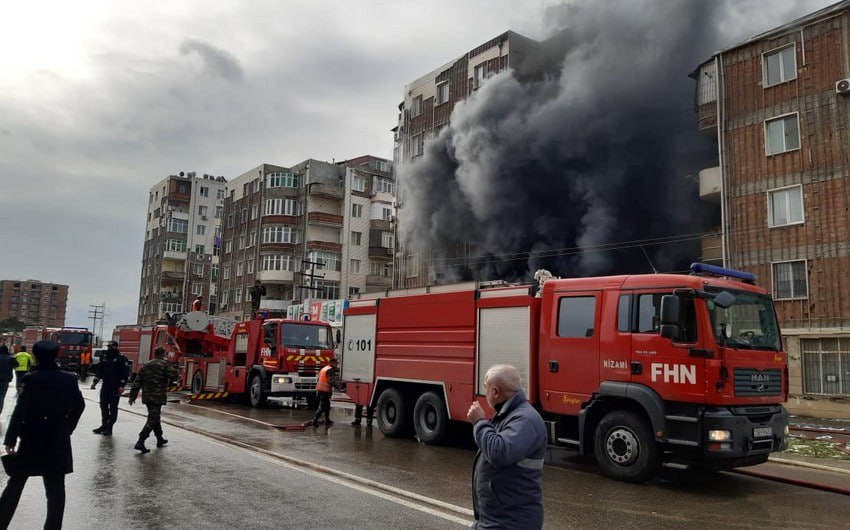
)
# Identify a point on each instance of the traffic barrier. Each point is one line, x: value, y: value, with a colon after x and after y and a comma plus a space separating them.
x: 208, y: 395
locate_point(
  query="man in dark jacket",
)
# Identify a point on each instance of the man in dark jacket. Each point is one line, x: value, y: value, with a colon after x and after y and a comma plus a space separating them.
x: 48, y: 409
x: 507, y: 472
x: 114, y: 370
x: 7, y: 370
x: 258, y: 291
x: 153, y: 380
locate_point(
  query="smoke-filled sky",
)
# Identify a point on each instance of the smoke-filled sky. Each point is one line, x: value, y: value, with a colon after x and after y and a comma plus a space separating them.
x: 604, y: 150
x: 101, y: 99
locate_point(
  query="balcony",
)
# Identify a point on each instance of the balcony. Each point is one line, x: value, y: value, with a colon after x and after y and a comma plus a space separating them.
x: 173, y: 275
x: 276, y: 276
x: 275, y: 305
x: 324, y: 219
x: 712, y: 249
x: 378, y: 281
x: 380, y: 224
x: 174, y: 254
x: 710, y: 184
x: 324, y: 245
x: 324, y: 190
x: 380, y: 253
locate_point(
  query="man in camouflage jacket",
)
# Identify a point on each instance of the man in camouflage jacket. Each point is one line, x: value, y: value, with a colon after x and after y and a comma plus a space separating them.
x: 153, y: 380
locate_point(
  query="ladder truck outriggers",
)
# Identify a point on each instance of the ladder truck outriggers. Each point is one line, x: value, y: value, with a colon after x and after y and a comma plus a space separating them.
x: 638, y: 370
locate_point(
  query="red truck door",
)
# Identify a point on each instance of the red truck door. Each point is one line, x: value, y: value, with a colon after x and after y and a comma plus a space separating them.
x: 358, y: 349
x: 569, y: 350
x: 675, y: 370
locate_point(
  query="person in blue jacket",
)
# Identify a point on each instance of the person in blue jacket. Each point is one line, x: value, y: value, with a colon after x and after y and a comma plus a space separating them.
x: 507, y: 470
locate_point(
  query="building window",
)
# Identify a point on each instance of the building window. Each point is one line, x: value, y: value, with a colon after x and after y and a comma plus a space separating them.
x: 412, y: 266
x: 382, y: 185
x: 826, y: 366
x: 219, y: 194
x: 198, y: 269
x: 175, y: 245
x: 241, y: 242
x: 379, y: 269
x: 785, y: 206
x: 354, y: 266
x: 790, y: 280
x: 256, y: 185
x: 199, y: 250
x: 383, y: 165
x: 244, y: 217
x: 782, y: 134
x: 387, y: 240
x: 205, y: 191
x: 213, y: 271
x: 276, y: 262
x: 197, y: 288
x: 238, y: 297
x: 202, y: 210
x: 780, y: 66
x: 281, y: 207
x: 219, y: 211
x: 442, y: 94
x: 386, y: 213
x: 255, y: 211
x: 180, y: 226
x: 201, y: 230
x: 228, y: 246
x: 356, y: 210
x: 480, y: 75
x: 330, y: 261
x: 279, y: 234
x: 417, y: 145
x: 230, y: 220
x: 416, y: 107
x: 224, y: 296
x: 251, y: 266
x: 225, y: 272
x: 252, y: 239
x: 239, y: 269
x: 326, y: 290
x: 353, y: 291
x: 356, y: 238
x: 278, y: 180
x: 358, y: 183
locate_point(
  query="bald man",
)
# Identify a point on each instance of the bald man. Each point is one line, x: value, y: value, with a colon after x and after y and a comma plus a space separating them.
x: 507, y: 471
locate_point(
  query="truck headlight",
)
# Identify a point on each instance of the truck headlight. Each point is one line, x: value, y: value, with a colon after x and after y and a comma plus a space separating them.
x: 718, y: 435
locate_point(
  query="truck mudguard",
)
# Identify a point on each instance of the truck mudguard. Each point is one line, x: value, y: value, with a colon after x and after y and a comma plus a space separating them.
x: 646, y: 397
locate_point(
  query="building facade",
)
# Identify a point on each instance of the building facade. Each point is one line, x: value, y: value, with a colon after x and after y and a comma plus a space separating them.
x: 426, y: 110
x: 778, y: 106
x: 182, y: 236
x: 33, y: 302
x: 316, y: 230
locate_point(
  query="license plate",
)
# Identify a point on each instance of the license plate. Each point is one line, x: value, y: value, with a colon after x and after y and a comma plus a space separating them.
x: 762, y: 432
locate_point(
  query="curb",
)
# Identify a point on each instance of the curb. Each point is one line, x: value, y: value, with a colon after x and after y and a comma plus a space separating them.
x: 799, y: 463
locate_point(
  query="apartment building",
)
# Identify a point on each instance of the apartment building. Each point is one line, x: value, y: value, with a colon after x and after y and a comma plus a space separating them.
x: 182, y: 236
x: 778, y: 106
x: 317, y: 230
x: 426, y: 110
x: 34, y: 302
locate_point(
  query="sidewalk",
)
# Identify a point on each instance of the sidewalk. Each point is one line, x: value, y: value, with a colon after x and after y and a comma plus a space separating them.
x: 840, y: 427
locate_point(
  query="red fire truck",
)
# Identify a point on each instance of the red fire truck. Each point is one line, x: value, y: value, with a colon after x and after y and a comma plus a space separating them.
x: 72, y: 342
x: 261, y: 359
x: 137, y: 343
x: 638, y: 370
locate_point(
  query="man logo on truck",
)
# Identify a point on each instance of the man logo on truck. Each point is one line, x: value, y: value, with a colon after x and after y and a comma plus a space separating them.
x: 675, y: 373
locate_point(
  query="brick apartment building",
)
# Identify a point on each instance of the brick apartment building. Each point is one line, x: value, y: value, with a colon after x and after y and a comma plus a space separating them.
x: 180, y: 254
x: 425, y: 111
x: 34, y: 302
x: 335, y: 214
x: 779, y: 106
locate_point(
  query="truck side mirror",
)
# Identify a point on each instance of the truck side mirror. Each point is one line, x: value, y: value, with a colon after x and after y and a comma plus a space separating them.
x: 669, y: 316
x: 724, y: 300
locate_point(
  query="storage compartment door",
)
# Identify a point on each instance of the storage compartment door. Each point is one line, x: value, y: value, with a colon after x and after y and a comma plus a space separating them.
x: 358, y: 348
x: 504, y: 338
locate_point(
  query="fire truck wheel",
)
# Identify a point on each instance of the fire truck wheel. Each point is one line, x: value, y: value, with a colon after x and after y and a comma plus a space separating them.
x: 255, y: 391
x: 198, y: 382
x: 430, y: 419
x: 625, y: 447
x: 393, y: 413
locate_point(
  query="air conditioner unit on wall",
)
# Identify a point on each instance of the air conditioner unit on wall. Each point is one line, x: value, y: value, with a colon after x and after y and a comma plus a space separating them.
x: 842, y: 87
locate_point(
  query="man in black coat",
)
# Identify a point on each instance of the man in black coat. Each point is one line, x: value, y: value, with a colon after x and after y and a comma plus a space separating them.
x: 8, y: 363
x: 48, y: 409
x: 114, y: 370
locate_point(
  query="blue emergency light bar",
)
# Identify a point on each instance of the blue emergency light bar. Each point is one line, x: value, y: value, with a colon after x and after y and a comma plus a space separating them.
x: 704, y: 268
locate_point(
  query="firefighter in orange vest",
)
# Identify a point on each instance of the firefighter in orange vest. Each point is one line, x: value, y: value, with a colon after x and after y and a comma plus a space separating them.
x: 324, y: 390
x: 85, y: 362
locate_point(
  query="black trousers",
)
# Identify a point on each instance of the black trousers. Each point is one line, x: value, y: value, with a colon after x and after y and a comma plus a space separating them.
x: 19, y: 374
x: 4, y: 386
x: 358, y: 413
x: 54, y: 490
x: 153, y: 422
x: 323, y: 408
x: 108, y: 409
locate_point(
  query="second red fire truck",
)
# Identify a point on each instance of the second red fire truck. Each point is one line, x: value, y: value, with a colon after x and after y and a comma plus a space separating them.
x: 638, y: 370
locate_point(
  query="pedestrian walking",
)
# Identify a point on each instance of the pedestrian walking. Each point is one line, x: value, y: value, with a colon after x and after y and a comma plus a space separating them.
x: 24, y: 361
x: 153, y: 380
x: 358, y: 415
x: 114, y: 370
x: 85, y: 363
x: 48, y: 409
x: 7, y: 369
x: 507, y: 470
x: 198, y: 304
x: 325, y: 385
x: 258, y: 291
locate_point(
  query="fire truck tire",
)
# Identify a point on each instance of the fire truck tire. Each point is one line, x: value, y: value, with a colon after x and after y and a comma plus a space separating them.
x: 256, y: 396
x: 393, y: 413
x: 625, y: 447
x: 197, y: 382
x: 430, y: 419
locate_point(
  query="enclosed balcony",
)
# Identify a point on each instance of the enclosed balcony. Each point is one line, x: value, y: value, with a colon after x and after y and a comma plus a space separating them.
x: 380, y: 253
x: 712, y: 248
x: 318, y: 189
x: 275, y: 276
x: 710, y: 184
x: 324, y: 219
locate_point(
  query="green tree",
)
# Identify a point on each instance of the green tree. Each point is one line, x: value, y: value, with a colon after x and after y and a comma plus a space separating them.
x: 12, y: 324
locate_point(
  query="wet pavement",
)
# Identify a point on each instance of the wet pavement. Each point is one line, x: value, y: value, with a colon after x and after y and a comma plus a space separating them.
x: 253, y: 475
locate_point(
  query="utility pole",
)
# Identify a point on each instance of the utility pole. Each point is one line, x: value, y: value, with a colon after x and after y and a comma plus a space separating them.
x: 310, y: 279
x: 96, y: 313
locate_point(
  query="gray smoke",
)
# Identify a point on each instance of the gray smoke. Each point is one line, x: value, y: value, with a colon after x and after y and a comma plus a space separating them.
x: 597, y: 152
x: 219, y: 62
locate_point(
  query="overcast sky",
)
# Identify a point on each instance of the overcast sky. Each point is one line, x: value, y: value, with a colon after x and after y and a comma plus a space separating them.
x: 99, y: 100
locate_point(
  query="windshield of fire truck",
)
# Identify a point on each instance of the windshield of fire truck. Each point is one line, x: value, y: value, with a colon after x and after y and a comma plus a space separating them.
x: 73, y: 339
x: 305, y: 336
x: 749, y: 323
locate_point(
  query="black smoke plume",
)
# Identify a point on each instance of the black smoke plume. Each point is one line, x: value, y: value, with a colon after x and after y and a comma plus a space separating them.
x: 603, y: 149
